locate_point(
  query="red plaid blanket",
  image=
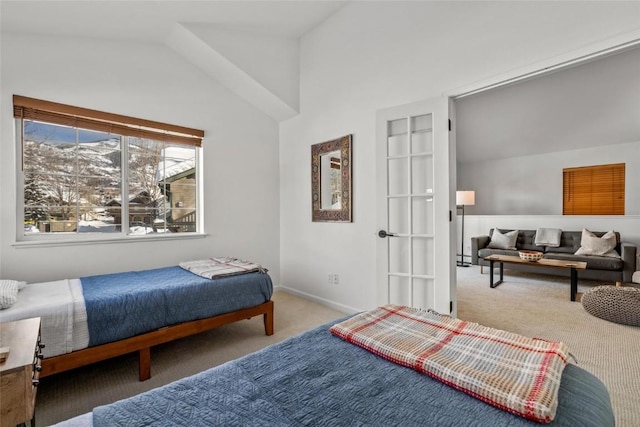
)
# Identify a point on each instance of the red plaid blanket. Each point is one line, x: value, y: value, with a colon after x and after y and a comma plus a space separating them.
x: 517, y: 374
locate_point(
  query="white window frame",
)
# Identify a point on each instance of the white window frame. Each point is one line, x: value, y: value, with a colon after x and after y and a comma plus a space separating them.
x: 63, y: 239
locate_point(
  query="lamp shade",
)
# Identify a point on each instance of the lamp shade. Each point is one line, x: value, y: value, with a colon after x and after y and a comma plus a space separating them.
x: 466, y: 198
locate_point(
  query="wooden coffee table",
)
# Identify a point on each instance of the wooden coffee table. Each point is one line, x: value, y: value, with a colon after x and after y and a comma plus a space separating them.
x: 554, y: 263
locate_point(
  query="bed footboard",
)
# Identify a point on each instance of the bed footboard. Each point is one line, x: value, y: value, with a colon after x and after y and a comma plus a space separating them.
x: 143, y: 343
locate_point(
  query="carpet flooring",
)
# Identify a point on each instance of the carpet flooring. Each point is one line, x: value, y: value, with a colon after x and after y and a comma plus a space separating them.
x: 532, y: 305
x: 539, y: 306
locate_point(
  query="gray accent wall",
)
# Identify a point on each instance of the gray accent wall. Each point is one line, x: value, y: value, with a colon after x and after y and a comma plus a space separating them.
x: 532, y: 185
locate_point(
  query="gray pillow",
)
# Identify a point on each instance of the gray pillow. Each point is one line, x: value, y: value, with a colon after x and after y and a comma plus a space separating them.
x: 503, y: 241
x: 590, y: 244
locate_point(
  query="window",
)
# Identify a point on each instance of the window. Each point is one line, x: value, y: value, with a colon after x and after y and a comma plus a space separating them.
x: 594, y: 190
x: 88, y: 173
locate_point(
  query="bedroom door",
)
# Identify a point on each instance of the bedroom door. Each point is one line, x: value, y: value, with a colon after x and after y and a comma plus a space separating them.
x: 415, y: 184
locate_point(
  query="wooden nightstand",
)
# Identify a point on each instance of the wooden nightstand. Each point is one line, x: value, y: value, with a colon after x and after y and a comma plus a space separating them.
x: 20, y: 371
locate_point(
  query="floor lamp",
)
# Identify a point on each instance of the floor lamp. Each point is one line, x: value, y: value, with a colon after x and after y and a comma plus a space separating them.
x: 463, y: 198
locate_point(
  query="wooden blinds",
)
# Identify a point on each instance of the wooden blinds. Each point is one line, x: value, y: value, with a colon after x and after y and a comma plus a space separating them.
x: 594, y: 190
x: 68, y: 115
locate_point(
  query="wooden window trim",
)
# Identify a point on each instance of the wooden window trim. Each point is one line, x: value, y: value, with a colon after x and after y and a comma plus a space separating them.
x: 594, y: 190
x: 69, y: 115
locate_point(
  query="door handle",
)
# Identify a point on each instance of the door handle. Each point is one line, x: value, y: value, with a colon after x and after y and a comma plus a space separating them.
x: 382, y: 234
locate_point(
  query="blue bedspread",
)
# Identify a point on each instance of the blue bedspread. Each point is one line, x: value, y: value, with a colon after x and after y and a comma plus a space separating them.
x: 316, y: 379
x: 123, y: 305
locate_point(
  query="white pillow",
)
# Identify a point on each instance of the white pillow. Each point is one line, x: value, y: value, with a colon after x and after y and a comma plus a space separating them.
x: 8, y: 293
x: 21, y: 284
x: 590, y: 244
x: 503, y: 241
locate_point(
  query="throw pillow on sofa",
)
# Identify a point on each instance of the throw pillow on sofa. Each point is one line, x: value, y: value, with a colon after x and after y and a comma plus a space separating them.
x: 590, y: 244
x: 503, y: 241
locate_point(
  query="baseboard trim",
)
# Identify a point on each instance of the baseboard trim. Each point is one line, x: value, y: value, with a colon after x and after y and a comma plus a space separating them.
x: 328, y: 303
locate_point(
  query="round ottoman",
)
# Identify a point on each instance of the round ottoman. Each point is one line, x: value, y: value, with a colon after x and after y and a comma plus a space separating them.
x: 617, y: 304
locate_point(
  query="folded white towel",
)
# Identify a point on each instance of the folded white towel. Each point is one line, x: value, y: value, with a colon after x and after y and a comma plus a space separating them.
x: 548, y: 237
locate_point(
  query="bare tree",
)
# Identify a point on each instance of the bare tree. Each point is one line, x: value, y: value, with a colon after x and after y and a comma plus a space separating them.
x: 145, y: 156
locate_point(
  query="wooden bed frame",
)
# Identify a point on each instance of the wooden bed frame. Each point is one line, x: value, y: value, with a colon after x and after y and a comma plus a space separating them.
x: 143, y: 343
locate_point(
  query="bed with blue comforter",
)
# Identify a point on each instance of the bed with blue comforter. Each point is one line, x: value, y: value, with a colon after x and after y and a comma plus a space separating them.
x: 318, y: 379
x: 124, y: 305
x: 132, y: 311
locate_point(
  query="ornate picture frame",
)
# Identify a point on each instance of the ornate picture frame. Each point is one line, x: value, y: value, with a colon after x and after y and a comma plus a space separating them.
x: 331, y: 155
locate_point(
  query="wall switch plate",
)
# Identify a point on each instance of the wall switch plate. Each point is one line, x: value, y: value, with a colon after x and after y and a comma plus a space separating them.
x: 336, y: 279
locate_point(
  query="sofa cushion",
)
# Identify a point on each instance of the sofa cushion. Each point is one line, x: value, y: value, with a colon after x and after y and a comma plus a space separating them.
x: 527, y: 241
x: 501, y: 240
x: 569, y: 243
x: 593, y: 262
x: 590, y: 244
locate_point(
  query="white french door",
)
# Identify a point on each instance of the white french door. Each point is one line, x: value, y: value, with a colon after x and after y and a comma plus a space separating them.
x: 414, y: 161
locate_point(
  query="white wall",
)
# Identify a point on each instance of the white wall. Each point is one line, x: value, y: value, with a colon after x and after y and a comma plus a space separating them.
x: 373, y: 55
x: 532, y: 185
x: 148, y: 81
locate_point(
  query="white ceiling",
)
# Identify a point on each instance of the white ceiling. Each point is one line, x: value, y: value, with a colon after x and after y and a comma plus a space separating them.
x: 593, y: 104
x: 590, y: 105
x: 274, y: 26
x: 151, y: 21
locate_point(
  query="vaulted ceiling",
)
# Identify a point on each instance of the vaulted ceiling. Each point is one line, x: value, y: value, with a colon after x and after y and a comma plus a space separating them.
x: 252, y: 47
x: 249, y: 46
x: 151, y: 21
x: 589, y: 105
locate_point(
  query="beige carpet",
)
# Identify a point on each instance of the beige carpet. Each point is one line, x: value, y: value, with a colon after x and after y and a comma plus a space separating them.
x: 536, y: 306
x: 539, y: 306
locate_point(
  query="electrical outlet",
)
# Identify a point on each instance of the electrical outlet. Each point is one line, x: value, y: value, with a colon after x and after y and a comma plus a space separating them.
x: 336, y: 279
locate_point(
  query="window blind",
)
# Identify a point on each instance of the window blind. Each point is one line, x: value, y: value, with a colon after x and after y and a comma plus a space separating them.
x: 68, y: 115
x: 594, y: 190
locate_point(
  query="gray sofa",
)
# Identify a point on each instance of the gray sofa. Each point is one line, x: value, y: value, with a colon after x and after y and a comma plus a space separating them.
x: 598, y: 267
